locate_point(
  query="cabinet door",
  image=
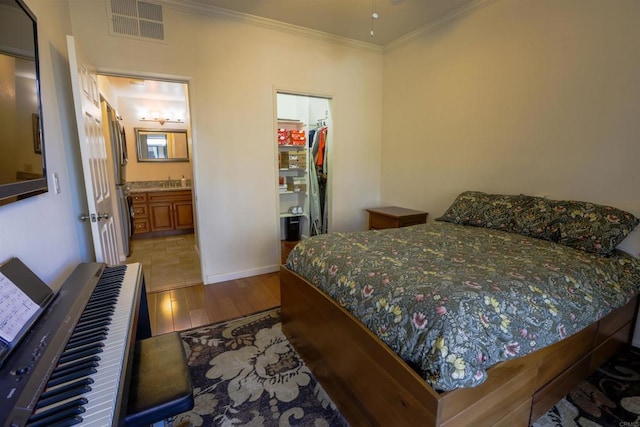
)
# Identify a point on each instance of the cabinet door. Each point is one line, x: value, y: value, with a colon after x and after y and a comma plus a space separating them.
x: 161, y: 216
x: 183, y: 214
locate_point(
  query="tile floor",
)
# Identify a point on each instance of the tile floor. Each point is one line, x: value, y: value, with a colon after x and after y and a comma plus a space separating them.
x: 167, y: 262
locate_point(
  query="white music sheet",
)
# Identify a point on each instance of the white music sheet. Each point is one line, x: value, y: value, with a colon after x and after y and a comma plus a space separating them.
x: 16, y: 308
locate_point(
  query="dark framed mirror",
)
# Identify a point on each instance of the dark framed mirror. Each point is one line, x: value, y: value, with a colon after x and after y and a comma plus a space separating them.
x: 159, y: 145
x: 22, y: 159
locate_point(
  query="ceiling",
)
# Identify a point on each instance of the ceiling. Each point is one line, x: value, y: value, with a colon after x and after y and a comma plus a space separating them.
x: 129, y: 87
x: 348, y: 18
x: 344, y: 18
x: 147, y: 97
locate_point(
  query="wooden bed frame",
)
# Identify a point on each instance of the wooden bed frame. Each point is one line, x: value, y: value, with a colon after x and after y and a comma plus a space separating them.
x: 371, y: 385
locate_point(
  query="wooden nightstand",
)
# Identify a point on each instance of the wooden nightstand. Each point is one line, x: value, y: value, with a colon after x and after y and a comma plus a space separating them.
x: 394, y: 217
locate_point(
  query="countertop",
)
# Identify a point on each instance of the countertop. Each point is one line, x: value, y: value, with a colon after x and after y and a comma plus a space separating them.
x: 167, y: 185
x: 154, y: 189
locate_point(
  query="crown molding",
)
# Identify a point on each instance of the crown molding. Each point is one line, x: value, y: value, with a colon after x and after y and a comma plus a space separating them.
x: 432, y: 26
x: 199, y: 8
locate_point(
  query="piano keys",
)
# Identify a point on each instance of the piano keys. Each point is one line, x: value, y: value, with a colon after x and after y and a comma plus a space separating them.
x: 73, y: 367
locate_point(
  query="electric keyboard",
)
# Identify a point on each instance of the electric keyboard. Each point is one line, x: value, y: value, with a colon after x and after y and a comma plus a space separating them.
x: 73, y: 366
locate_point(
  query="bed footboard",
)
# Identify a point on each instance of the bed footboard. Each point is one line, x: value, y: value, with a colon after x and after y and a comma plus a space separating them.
x: 367, y: 381
x: 371, y: 385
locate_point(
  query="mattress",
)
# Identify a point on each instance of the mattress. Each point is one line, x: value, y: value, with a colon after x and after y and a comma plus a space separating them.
x: 453, y: 300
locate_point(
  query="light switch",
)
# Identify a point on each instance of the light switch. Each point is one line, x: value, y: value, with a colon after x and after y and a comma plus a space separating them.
x: 56, y: 182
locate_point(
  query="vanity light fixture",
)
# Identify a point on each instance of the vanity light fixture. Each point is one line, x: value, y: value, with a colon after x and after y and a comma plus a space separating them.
x: 155, y: 117
x: 161, y: 121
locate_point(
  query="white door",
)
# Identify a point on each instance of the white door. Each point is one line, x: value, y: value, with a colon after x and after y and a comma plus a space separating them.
x: 86, y: 99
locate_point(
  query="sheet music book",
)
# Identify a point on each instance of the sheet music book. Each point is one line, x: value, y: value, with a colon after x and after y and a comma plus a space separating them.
x: 23, y: 299
x: 16, y: 309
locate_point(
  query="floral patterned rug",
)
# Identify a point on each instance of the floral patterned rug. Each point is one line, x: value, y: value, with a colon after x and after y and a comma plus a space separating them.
x: 244, y: 372
x: 609, y: 397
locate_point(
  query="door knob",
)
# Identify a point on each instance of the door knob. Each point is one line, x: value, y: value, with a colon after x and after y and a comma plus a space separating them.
x: 94, y: 217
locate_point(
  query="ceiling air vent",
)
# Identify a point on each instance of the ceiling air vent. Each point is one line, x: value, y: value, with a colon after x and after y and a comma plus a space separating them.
x: 136, y: 19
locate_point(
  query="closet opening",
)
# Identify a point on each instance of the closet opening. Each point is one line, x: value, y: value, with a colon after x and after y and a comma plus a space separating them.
x: 303, y: 145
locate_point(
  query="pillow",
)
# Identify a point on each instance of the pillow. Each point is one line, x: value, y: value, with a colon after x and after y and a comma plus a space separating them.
x: 537, y: 219
x: 631, y: 243
x: 591, y: 227
x: 581, y: 225
x: 480, y: 209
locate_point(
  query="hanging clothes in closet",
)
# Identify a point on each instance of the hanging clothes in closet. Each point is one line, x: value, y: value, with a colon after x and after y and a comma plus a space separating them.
x: 318, y: 180
x: 315, y: 214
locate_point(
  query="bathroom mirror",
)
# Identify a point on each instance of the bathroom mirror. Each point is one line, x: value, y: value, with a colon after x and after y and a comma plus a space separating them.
x: 157, y: 145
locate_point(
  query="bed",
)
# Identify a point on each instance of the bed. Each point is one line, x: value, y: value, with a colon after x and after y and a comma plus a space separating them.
x: 487, y: 316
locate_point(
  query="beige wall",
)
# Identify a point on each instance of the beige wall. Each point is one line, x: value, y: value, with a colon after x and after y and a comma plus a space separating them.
x: 234, y: 69
x: 521, y: 96
x: 129, y: 109
x: 149, y: 171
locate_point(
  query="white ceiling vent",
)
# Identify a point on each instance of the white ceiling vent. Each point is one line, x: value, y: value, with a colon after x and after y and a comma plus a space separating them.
x: 136, y: 19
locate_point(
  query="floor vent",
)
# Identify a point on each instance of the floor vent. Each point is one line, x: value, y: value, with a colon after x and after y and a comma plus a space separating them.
x: 136, y: 19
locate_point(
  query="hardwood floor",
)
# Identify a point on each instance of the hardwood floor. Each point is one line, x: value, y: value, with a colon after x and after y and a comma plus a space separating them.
x: 285, y: 248
x: 177, y: 299
x: 198, y: 305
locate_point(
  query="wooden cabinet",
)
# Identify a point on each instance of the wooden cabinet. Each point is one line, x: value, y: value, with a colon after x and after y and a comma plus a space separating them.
x: 140, y: 213
x: 163, y: 212
x: 183, y: 214
x: 394, y: 217
x: 161, y: 216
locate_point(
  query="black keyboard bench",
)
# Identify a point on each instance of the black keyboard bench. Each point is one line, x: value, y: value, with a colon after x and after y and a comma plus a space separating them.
x: 160, y: 381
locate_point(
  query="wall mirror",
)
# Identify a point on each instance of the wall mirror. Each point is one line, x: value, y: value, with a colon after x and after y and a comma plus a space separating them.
x: 157, y: 145
x: 22, y: 165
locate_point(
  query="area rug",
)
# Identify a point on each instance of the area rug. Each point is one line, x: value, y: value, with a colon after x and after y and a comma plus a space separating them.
x: 245, y: 373
x: 609, y: 397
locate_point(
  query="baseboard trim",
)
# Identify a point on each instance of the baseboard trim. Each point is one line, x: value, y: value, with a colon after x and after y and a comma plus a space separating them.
x: 240, y: 274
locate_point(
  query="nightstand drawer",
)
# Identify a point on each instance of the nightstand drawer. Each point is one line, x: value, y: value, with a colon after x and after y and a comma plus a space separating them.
x: 394, y: 217
x: 412, y: 220
x: 379, y: 222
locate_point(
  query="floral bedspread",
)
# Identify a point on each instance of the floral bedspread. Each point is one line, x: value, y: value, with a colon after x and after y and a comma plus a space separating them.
x: 452, y: 300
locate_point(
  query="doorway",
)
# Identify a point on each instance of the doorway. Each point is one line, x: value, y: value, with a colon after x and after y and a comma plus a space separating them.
x: 160, y: 187
x: 303, y: 145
